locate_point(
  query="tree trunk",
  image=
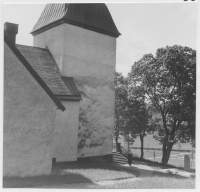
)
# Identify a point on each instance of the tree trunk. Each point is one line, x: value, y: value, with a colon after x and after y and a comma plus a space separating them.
x: 169, y: 142
x: 167, y: 147
x: 165, y: 143
x: 169, y: 138
x: 142, y: 145
x: 164, y: 151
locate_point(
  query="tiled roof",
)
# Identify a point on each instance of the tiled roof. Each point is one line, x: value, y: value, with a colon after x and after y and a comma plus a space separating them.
x: 92, y: 16
x: 45, y: 66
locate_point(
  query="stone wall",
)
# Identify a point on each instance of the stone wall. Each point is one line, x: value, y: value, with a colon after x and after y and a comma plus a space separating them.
x: 29, y: 115
x: 89, y: 57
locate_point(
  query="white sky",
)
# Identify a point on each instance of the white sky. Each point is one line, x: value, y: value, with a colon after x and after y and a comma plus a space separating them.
x: 145, y: 27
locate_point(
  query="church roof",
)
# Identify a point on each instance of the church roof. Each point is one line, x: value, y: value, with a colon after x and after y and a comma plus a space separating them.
x: 33, y: 72
x: 46, y: 68
x: 43, y: 63
x: 91, y: 16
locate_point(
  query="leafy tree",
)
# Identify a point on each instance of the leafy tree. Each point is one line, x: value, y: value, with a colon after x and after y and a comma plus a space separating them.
x: 120, y: 100
x: 169, y: 82
x: 132, y: 116
x: 140, y: 120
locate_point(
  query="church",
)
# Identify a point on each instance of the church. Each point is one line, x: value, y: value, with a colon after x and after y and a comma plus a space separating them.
x: 59, y: 94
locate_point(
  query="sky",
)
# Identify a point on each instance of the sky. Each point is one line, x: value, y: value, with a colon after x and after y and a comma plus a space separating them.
x: 145, y: 27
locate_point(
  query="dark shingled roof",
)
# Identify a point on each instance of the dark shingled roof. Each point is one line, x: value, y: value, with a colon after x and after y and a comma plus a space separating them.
x: 45, y: 66
x: 92, y: 16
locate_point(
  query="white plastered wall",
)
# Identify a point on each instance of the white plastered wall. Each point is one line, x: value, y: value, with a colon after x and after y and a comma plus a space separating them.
x: 29, y: 115
x: 66, y: 132
x: 89, y: 57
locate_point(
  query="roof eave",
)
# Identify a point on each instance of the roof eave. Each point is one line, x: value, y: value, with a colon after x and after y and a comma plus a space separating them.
x: 69, y: 97
x: 64, y: 20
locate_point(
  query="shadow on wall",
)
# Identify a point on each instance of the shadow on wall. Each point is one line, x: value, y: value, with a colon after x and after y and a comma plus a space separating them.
x: 44, y: 181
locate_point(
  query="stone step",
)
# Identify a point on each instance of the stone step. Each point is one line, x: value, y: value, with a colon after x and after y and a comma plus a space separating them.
x: 118, y: 158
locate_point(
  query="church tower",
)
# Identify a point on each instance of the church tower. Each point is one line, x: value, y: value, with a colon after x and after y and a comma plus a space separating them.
x: 82, y: 40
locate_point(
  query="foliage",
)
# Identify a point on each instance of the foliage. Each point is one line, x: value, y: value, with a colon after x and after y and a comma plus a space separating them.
x: 169, y: 83
x: 141, y: 120
x: 138, y: 120
x: 120, y: 104
x: 133, y: 117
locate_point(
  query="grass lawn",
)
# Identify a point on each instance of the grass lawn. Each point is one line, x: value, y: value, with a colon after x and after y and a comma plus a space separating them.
x: 155, y: 182
x: 79, y: 173
x: 85, y: 176
x: 157, y: 164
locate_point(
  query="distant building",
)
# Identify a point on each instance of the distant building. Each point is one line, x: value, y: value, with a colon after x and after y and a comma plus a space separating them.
x: 59, y: 94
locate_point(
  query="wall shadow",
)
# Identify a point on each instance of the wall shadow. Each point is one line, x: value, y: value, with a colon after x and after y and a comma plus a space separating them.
x: 47, y: 181
x: 57, y: 180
